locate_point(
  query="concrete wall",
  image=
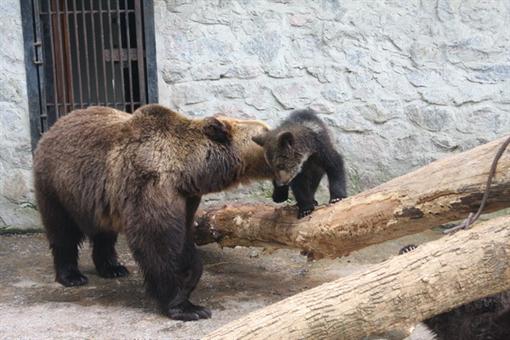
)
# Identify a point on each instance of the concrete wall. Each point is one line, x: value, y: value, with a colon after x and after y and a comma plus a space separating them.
x: 16, y: 197
x: 400, y: 82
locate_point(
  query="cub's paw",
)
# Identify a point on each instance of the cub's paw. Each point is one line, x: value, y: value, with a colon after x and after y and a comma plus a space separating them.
x: 186, y: 311
x: 280, y: 193
x: 407, y: 249
x: 335, y: 200
x: 304, y: 212
x: 279, y: 198
x: 110, y: 271
x: 71, y: 278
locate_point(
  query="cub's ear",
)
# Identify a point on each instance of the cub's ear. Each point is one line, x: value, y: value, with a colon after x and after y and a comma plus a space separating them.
x: 260, y: 139
x: 286, y: 139
x: 217, y: 131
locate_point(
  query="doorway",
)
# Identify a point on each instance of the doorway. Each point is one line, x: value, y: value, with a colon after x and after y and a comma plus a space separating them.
x: 81, y: 53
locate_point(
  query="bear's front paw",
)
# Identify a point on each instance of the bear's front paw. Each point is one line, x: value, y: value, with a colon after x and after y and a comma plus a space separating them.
x: 304, y: 212
x: 111, y: 271
x: 186, y: 311
x: 71, y: 278
x: 407, y: 249
x: 280, y: 198
x: 334, y: 200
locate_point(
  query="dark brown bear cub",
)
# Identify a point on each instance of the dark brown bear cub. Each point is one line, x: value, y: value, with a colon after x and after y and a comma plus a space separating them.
x: 100, y: 171
x: 299, y: 152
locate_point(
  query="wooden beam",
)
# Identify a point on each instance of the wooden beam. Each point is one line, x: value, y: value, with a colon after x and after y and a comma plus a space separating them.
x: 392, y: 295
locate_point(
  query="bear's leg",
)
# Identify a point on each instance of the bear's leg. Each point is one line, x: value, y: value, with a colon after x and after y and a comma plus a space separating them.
x: 159, y: 242
x: 334, y: 166
x: 189, y: 275
x: 64, y: 237
x: 105, y: 256
x: 302, y: 192
x: 314, y: 174
x: 280, y: 193
x: 191, y: 267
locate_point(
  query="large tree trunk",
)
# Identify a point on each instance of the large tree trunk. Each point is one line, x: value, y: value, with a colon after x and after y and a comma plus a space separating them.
x: 391, y: 295
x: 443, y: 191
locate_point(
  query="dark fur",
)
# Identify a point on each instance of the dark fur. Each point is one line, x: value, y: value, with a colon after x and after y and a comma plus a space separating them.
x: 484, y: 319
x: 299, y: 153
x: 100, y: 171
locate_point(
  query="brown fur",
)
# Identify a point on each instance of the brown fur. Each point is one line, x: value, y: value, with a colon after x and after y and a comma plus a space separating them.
x: 100, y: 171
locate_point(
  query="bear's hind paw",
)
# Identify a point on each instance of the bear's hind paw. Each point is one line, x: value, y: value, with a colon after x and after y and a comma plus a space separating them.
x: 187, y: 311
x: 112, y: 271
x: 71, y: 278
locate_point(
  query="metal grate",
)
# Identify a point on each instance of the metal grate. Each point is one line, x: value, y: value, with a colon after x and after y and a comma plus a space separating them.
x: 89, y: 52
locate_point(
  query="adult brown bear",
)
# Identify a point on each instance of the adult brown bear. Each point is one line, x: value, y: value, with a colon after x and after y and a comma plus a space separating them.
x: 101, y: 171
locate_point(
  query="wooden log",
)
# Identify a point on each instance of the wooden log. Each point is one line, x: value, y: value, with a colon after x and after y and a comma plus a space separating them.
x: 395, y: 294
x: 443, y: 191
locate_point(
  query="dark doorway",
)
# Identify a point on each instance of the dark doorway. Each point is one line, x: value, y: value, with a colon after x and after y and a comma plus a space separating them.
x: 88, y: 52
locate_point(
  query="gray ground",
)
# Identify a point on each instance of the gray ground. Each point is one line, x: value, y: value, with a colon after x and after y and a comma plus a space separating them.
x: 235, y: 282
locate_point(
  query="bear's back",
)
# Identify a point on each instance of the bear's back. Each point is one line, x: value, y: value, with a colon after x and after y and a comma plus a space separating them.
x: 77, y: 136
x: 302, y: 121
x: 70, y: 161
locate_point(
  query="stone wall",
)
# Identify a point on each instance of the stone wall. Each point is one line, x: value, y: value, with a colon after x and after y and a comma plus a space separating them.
x: 16, y: 196
x: 400, y: 82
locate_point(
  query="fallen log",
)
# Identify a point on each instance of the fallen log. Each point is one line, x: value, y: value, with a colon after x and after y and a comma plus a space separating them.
x: 392, y: 295
x: 443, y: 191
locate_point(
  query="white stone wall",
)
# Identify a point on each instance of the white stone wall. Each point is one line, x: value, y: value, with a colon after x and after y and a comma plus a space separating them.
x: 400, y: 82
x: 16, y: 196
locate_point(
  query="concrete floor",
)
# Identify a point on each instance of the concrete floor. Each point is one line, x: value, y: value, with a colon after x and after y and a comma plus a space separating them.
x: 235, y: 282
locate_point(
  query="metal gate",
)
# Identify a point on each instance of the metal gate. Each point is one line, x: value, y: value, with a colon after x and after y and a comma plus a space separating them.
x: 88, y: 52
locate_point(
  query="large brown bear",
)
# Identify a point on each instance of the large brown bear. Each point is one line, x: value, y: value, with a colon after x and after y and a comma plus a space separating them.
x: 101, y: 171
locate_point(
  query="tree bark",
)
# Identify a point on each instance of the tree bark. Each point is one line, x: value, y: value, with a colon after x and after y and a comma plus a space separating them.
x: 394, y: 294
x: 443, y: 191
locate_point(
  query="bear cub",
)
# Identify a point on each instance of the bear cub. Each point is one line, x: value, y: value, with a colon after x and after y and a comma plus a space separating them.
x: 299, y: 152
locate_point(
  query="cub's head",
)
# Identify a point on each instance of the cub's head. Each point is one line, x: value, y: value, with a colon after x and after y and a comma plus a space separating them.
x: 283, y: 154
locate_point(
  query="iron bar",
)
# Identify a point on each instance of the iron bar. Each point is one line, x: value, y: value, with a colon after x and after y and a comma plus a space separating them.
x: 87, y: 68
x: 78, y: 57
x: 140, y: 51
x: 67, y: 51
x: 103, y: 63
x: 94, y: 53
x: 121, y: 63
x: 110, y: 31
x: 53, y: 118
x: 128, y: 42
x: 61, y: 61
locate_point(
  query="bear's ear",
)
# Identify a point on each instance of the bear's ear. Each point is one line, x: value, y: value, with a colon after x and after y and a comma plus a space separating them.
x: 286, y: 139
x: 217, y: 131
x: 260, y: 139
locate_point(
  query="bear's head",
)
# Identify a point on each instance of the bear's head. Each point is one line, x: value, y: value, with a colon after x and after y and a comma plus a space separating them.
x: 241, y: 134
x: 241, y: 131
